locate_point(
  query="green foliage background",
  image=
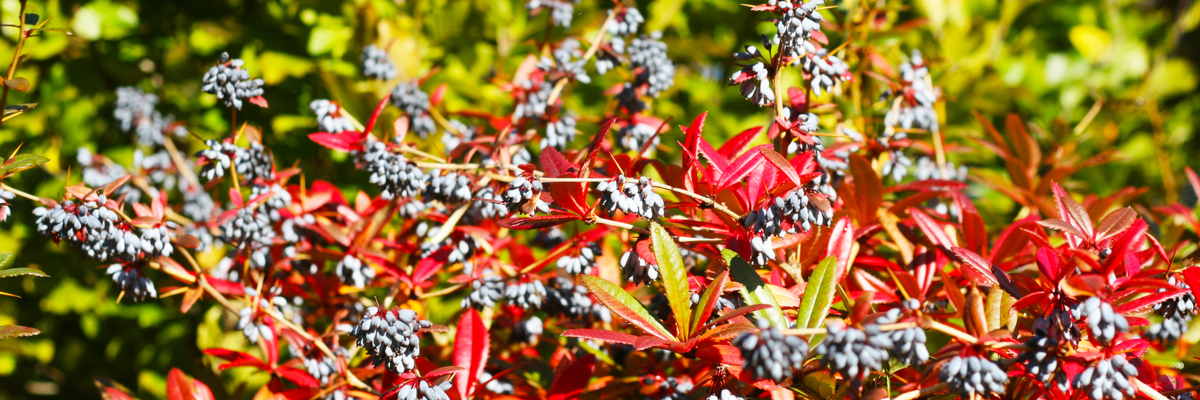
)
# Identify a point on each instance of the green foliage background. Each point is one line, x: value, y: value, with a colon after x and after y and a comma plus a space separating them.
x: 1049, y: 62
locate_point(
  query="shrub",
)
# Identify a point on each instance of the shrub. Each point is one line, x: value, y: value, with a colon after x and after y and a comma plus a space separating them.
x: 633, y: 266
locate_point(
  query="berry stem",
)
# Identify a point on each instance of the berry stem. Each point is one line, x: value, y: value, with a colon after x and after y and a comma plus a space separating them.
x: 19, y: 193
x: 929, y: 391
x: 1147, y: 390
x: 179, y: 163
x: 952, y: 331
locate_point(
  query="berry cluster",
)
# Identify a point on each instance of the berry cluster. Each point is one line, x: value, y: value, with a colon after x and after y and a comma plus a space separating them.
x: 408, y: 97
x: 913, y: 107
x: 92, y: 226
x: 528, y: 293
x: 524, y: 196
x: 561, y: 11
x: 230, y: 83
x: 391, y: 337
x: 486, y: 290
x: 130, y: 280
x: 582, y: 263
x: 1041, y: 356
x: 769, y: 354
x: 393, y: 173
x: 795, y: 25
x: 972, y: 376
x: 631, y: 197
x: 1176, y: 313
x: 669, y: 388
x: 908, y: 344
x: 648, y: 58
x: 420, y: 389
x: 330, y: 116
x: 1103, y: 322
x: 449, y: 187
x: 320, y: 366
x: 376, y: 64
x: 1107, y: 379
x: 637, y: 269
x: 636, y: 135
x: 825, y: 70
x: 354, y: 271
x: 854, y: 352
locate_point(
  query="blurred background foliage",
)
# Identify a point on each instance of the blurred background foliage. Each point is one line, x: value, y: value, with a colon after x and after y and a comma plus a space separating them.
x: 1093, y: 76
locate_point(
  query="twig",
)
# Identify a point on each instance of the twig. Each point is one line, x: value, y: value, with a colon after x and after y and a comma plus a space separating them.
x: 12, y: 68
x: 19, y: 192
x: 179, y: 163
x: 950, y: 330
x: 929, y: 391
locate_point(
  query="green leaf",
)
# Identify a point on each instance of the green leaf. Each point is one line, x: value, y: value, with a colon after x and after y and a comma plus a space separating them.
x: 708, y: 302
x: 754, y: 290
x: 674, y: 277
x: 9, y: 273
x: 5, y: 258
x: 22, y: 162
x: 625, y: 306
x: 12, y: 331
x: 818, y: 295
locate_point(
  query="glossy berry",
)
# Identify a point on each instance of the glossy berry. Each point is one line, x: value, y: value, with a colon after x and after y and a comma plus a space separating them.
x: 230, y: 83
x: 769, y: 354
x: 354, y: 272
x: 1107, y: 379
x: 391, y: 338
x: 854, y: 352
x: 973, y: 375
x: 1103, y: 322
x: 131, y: 282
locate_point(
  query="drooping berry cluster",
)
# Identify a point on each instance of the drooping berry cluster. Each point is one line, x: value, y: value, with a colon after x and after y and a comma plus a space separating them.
x: 1108, y: 378
x: 319, y: 365
x: 908, y: 344
x: 769, y: 354
x: 486, y: 290
x: 421, y: 389
x: 795, y: 26
x: 1176, y: 313
x: 131, y: 282
x: 825, y: 70
x: 393, y: 173
x: 1041, y: 356
x: 376, y: 64
x: 230, y: 83
x: 631, y: 197
x: 254, y: 163
x: 637, y: 269
x: 973, y: 375
x: 648, y: 58
x: 561, y: 11
x: 854, y: 352
x: 448, y: 187
x: 99, y: 171
x: 1103, y: 322
x: 913, y: 107
x: 528, y: 293
x: 669, y: 388
x: 636, y: 135
x: 92, y: 226
x: 353, y: 271
x: 330, y: 116
x: 408, y: 97
x: 523, y: 196
x: 391, y: 337
x: 582, y: 263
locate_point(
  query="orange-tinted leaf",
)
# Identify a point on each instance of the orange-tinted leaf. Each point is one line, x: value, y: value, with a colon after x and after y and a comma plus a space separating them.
x: 471, y: 344
x: 622, y: 304
x: 570, y: 381
x: 1115, y: 222
x: 869, y: 189
x: 179, y: 386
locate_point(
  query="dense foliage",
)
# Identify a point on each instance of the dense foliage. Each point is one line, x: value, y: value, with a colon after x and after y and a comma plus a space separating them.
x: 552, y: 199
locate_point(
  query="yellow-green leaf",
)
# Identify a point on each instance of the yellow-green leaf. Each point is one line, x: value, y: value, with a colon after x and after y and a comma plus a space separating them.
x: 754, y: 290
x: 625, y: 306
x: 818, y: 295
x: 22, y: 162
x: 674, y: 277
x: 8, y: 273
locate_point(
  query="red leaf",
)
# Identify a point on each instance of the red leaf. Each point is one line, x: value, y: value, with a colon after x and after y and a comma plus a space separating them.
x: 344, y: 141
x: 740, y: 168
x: 1192, y: 277
x: 444, y: 371
x: 438, y: 94
x: 820, y: 37
x: 202, y: 391
x: 782, y: 165
x: 235, y: 197
x: 570, y: 382
x: 1073, y: 213
x: 738, y: 143
x: 375, y: 115
x: 1144, y: 303
x: 571, y: 196
x: 179, y: 386
x: 1115, y: 222
x: 594, y: 147
x: 978, y: 269
x: 933, y: 230
x: 471, y: 344
x: 691, y: 146
x: 1029, y: 299
x: 841, y: 245
x: 596, y: 334
x: 237, y: 359
x: 258, y: 101
x: 720, y: 354
x: 298, y: 377
x: 1047, y: 262
x: 555, y: 164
